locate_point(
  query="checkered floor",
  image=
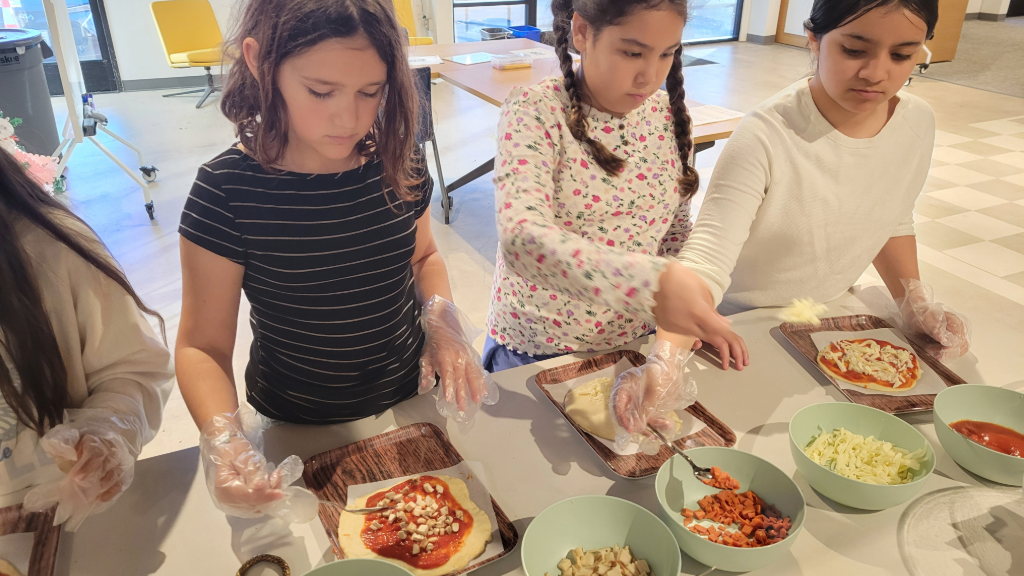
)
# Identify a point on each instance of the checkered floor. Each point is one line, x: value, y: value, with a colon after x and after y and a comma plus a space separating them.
x: 972, y: 207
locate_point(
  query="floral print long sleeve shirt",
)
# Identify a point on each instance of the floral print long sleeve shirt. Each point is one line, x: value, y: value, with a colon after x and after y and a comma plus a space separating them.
x: 580, y: 253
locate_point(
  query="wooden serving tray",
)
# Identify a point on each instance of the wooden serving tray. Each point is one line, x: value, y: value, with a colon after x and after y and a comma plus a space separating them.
x: 413, y: 449
x: 638, y: 465
x: 15, y: 520
x: 800, y: 336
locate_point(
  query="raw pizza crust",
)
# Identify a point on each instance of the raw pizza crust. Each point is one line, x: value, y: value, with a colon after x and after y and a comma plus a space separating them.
x: 882, y: 386
x: 351, y: 525
x: 587, y: 405
x: 7, y: 570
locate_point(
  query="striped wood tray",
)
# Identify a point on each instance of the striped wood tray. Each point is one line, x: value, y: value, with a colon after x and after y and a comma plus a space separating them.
x: 800, y: 336
x: 15, y: 520
x: 639, y: 465
x: 413, y: 449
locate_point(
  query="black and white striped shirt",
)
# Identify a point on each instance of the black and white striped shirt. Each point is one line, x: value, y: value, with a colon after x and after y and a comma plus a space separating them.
x: 328, y: 273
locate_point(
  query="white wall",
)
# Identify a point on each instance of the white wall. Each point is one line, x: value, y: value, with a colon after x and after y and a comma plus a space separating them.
x: 764, y: 17
x: 137, y: 45
x: 994, y: 6
x: 973, y: 6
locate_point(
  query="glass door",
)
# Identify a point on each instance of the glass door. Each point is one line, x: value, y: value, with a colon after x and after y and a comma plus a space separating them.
x: 92, y: 40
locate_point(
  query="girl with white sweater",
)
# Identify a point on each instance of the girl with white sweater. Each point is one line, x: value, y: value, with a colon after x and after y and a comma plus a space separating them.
x: 820, y: 180
x: 84, y: 378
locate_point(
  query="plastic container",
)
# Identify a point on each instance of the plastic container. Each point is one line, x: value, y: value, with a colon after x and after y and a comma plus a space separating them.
x: 23, y: 91
x: 510, y: 62
x: 495, y: 33
x: 528, y: 32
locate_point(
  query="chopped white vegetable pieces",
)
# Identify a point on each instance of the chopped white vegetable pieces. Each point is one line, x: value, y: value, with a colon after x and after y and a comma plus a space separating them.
x: 865, y: 459
x: 612, y: 561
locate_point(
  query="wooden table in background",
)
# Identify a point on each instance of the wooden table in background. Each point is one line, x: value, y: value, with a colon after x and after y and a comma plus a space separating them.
x: 493, y: 86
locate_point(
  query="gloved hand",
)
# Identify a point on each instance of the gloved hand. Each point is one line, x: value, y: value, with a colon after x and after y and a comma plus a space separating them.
x: 241, y: 481
x: 918, y: 312
x: 449, y: 353
x: 650, y: 395
x: 96, y: 450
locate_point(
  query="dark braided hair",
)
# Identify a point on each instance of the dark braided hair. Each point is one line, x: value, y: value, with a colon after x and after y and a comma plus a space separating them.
x: 601, y: 14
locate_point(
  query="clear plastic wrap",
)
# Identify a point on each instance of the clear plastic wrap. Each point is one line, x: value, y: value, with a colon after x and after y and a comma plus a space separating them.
x: 650, y: 395
x: 448, y: 354
x: 240, y: 479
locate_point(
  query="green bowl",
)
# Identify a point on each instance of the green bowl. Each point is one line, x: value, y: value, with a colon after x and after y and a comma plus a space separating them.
x: 678, y: 489
x: 596, y: 522
x: 986, y: 404
x: 359, y: 567
x: 866, y: 422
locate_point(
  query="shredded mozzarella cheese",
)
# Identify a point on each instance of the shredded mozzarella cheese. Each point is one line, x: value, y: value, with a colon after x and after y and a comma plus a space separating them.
x: 887, y: 364
x: 803, y: 311
x: 865, y: 459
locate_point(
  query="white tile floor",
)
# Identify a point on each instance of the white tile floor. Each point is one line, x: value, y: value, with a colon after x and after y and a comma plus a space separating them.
x: 970, y: 218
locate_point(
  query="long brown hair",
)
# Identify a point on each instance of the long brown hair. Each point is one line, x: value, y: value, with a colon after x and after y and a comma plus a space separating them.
x: 600, y: 14
x: 26, y: 333
x: 284, y: 28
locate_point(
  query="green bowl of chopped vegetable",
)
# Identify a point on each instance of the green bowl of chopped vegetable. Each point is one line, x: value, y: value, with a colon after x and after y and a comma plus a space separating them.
x: 680, y: 492
x: 596, y: 524
x: 987, y: 405
x: 859, y: 456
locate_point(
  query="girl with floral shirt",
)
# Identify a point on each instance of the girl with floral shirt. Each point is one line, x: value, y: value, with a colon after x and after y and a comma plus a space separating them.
x: 592, y: 189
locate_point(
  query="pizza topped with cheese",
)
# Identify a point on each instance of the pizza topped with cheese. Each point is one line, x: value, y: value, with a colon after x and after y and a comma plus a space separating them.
x: 871, y: 363
x: 434, y: 527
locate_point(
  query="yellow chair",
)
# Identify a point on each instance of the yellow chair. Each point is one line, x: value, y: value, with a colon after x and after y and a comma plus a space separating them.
x: 406, y: 17
x: 191, y: 38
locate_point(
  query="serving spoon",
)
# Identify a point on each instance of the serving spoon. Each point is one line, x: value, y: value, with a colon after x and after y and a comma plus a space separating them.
x: 698, y: 472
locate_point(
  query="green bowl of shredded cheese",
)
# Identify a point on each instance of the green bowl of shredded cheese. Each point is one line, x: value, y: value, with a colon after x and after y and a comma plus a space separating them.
x: 859, y: 456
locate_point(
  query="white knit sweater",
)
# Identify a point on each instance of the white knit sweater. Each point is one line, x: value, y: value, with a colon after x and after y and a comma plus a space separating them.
x: 797, y: 209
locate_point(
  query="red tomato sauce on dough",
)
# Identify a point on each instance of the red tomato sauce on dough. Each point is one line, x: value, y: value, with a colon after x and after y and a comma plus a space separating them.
x: 994, y: 436
x: 857, y: 377
x: 385, y: 542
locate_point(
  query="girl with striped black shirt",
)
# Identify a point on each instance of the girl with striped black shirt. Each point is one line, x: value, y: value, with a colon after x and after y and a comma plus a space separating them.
x: 321, y: 215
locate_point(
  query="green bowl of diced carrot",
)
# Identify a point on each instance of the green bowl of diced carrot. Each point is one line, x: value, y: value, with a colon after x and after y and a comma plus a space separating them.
x: 737, y: 527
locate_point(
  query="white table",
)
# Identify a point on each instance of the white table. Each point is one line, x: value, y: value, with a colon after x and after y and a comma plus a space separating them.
x: 166, y: 523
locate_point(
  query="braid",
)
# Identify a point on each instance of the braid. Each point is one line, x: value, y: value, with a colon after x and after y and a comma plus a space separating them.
x: 690, y: 180
x: 576, y: 119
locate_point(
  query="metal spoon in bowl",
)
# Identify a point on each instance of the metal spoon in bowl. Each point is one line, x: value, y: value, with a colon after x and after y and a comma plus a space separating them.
x: 698, y: 472
x: 357, y: 510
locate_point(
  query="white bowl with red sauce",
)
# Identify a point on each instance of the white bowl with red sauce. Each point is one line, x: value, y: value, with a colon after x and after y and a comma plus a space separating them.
x: 986, y: 405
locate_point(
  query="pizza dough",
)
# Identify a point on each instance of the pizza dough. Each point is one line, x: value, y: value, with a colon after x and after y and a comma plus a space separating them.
x: 587, y: 405
x: 7, y: 570
x: 456, y: 550
x: 871, y: 363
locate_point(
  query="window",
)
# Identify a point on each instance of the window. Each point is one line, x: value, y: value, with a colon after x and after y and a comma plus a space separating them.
x: 710, y: 20
x: 88, y: 27
x: 713, y: 21
x: 473, y: 16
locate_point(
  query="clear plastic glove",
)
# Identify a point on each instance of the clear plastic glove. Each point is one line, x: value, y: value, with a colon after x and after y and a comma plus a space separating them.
x: 241, y: 481
x: 96, y: 450
x: 448, y: 352
x: 650, y: 395
x: 918, y: 313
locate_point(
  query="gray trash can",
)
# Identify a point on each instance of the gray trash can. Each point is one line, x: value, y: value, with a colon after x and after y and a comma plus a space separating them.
x: 23, y: 91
